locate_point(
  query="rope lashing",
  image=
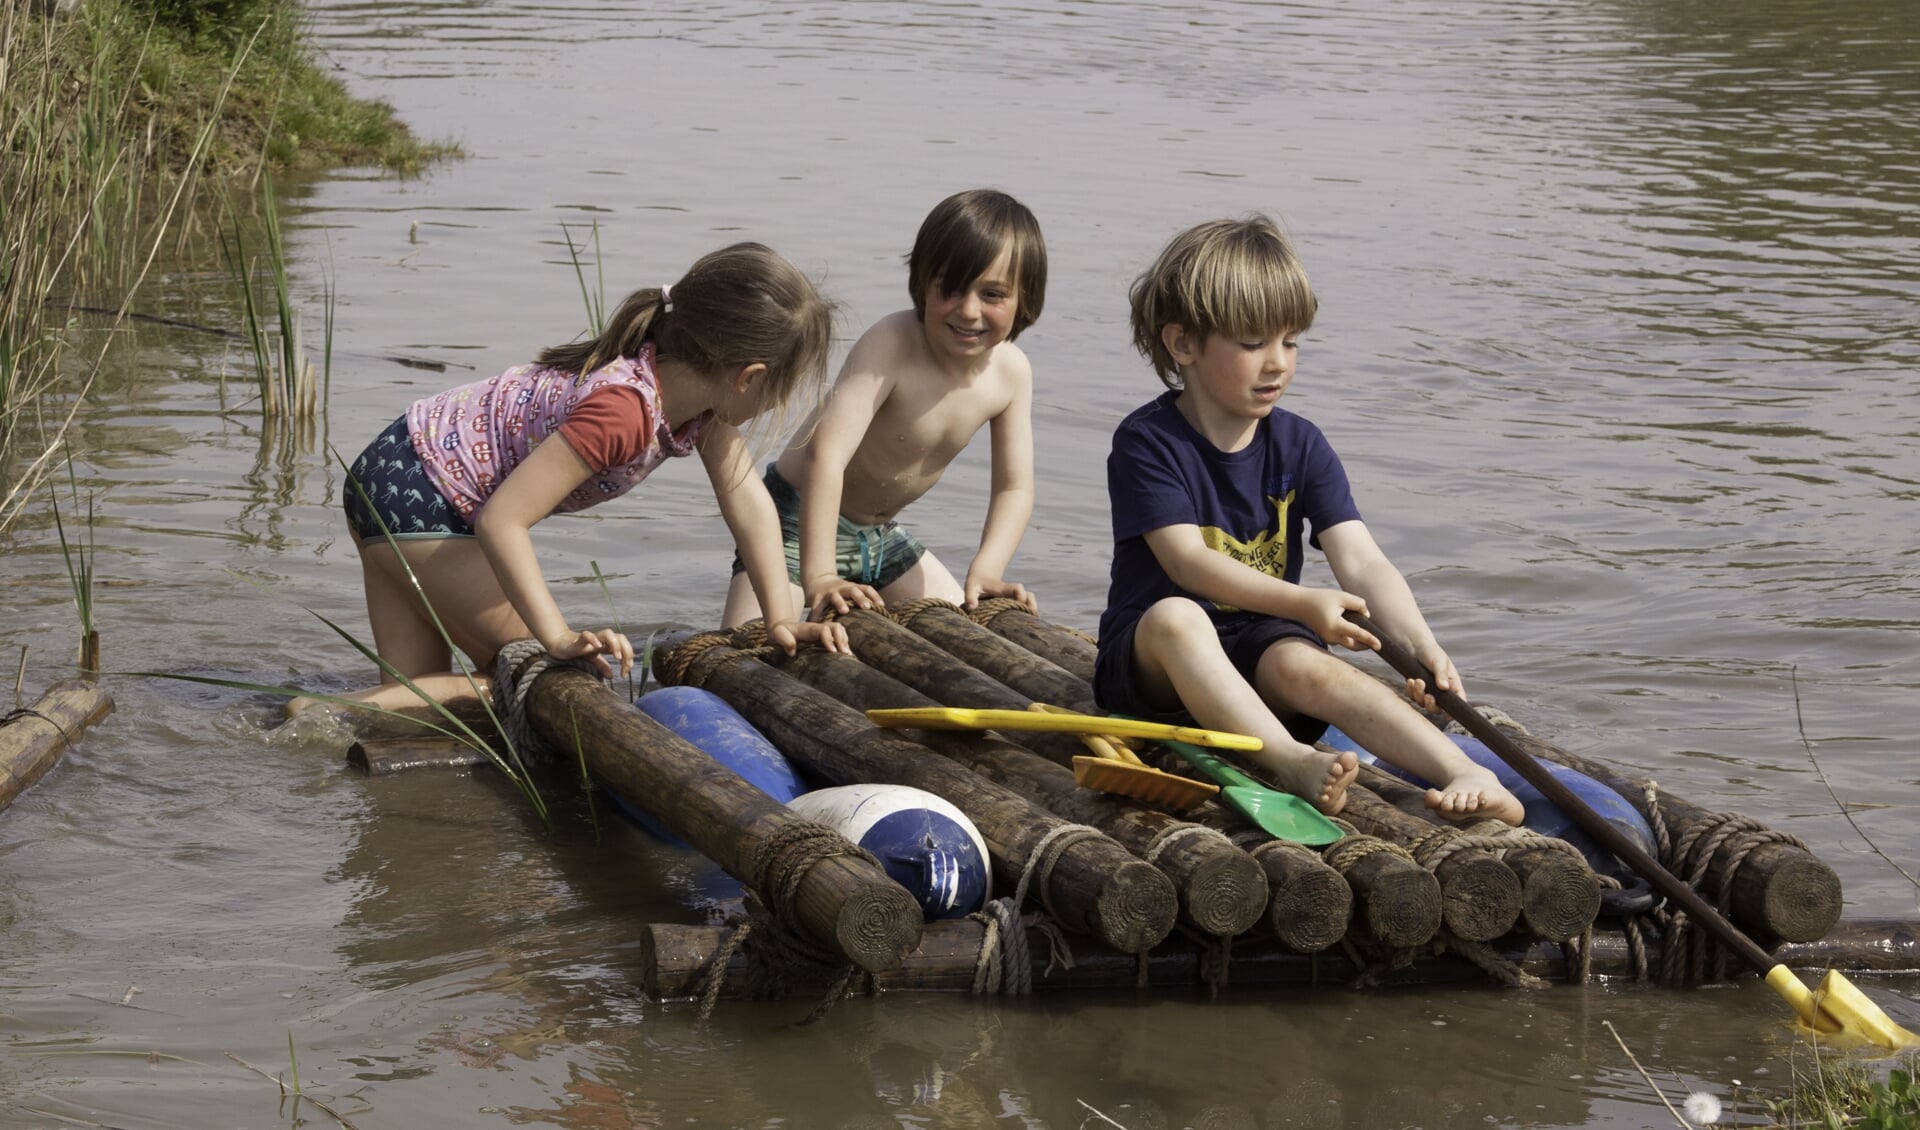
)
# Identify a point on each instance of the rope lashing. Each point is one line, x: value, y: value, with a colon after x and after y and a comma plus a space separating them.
x: 518, y: 666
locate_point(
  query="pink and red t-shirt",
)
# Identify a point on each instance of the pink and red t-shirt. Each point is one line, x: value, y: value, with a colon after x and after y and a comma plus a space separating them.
x: 469, y: 438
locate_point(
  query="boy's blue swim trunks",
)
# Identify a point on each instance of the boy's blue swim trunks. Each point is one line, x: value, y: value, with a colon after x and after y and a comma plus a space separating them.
x: 394, y: 482
x: 872, y: 555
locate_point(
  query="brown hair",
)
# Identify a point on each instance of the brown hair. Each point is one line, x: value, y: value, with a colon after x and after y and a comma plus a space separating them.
x: 1236, y: 277
x: 738, y: 306
x: 962, y: 237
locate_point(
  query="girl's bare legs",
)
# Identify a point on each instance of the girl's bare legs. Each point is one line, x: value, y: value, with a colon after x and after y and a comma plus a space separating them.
x: 460, y: 585
x: 1179, y: 660
x: 1296, y: 676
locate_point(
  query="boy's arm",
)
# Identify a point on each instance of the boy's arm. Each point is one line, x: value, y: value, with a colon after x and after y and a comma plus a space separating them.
x: 528, y: 494
x: 1205, y: 572
x: 1011, y: 504
x: 857, y: 396
x: 755, y: 523
x: 1362, y: 568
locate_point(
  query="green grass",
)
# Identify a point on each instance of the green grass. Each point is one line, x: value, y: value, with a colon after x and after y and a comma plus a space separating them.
x: 1847, y: 1093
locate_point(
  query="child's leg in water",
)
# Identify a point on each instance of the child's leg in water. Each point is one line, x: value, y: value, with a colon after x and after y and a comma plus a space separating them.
x: 1177, y: 655
x: 1298, y: 676
x: 460, y: 584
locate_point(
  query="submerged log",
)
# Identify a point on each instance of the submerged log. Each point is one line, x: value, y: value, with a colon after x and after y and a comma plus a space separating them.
x: 1222, y: 890
x: 378, y: 757
x: 1084, y: 879
x: 34, y: 738
x: 1000, y: 658
x: 839, y: 900
x: 675, y: 960
x: 1053, y: 642
x: 1480, y: 895
x: 926, y: 667
x: 1780, y: 890
x: 1559, y: 893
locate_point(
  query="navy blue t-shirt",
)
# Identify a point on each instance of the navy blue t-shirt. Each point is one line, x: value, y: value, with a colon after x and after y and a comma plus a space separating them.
x: 1250, y: 504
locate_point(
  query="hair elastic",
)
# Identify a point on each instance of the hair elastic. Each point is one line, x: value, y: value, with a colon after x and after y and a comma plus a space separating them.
x: 666, y: 298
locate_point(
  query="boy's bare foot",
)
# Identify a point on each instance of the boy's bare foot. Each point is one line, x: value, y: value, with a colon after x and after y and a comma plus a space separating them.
x: 1476, y: 792
x: 1321, y: 777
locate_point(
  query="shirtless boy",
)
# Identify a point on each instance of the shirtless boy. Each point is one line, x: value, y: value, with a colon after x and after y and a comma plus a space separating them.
x: 915, y: 389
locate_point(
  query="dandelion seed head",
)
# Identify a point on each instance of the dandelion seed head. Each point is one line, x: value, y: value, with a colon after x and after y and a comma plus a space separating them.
x: 1702, y: 1109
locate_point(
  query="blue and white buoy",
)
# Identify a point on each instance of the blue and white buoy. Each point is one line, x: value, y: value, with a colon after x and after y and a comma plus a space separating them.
x: 926, y: 844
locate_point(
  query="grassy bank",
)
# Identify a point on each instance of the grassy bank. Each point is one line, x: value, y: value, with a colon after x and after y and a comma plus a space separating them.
x: 112, y: 118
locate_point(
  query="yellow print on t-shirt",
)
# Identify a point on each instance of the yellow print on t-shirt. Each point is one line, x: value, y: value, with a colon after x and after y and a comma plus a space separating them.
x: 1267, y: 552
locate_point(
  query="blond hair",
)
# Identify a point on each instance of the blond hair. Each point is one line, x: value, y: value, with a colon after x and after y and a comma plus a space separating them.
x: 1235, y: 277
x: 738, y: 306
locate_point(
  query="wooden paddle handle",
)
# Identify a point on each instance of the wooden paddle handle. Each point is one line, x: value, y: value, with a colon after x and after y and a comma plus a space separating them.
x: 1401, y: 659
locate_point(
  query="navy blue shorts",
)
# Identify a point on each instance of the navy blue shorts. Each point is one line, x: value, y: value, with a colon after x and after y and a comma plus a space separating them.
x: 396, y: 485
x: 1244, y: 640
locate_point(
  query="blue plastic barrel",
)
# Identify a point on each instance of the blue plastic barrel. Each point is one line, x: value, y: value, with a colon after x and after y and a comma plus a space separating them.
x: 926, y: 844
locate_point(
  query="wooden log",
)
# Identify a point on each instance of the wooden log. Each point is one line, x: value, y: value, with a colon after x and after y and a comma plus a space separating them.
x: 945, y: 678
x: 1085, y: 880
x: 1396, y: 902
x: 1000, y: 658
x: 1480, y: 895
x: 378, y: 757
x: 1052, y: 642
x: 1779, y: 890
x: 1559, y: 893
x: 841, y: 902
x: 1222, y: 890
x: 34, y: 738
x: 1310, y: 905
x: 675, y: 959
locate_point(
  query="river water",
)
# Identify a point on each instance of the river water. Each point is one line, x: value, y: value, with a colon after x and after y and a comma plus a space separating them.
x: 1617, y: 342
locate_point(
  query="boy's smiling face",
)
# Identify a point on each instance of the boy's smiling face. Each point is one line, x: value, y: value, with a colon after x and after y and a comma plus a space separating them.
x: 978, y: 316
x: 1244, y: 376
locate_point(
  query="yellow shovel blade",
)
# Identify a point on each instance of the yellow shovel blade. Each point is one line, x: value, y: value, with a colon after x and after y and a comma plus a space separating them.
x: 1838, y: 1014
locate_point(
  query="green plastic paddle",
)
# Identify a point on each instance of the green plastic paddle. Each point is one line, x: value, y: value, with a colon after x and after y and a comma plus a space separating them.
x: 1281, y: 815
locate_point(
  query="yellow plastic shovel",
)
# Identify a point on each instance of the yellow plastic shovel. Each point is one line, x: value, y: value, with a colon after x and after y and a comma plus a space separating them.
x: 1836, y: 1013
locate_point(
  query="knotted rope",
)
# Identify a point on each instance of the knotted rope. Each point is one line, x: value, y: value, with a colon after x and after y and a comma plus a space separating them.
x: 518, y: 666
x: 1689, y: 954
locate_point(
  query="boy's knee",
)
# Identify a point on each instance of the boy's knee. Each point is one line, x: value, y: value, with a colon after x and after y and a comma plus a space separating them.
x: 1175, y: 616
x: 1295, y: 661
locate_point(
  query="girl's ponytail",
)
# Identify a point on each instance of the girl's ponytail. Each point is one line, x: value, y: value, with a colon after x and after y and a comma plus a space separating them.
x: 738, y: 306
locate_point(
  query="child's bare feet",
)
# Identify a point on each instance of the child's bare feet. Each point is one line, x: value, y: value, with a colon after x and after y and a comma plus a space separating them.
x: 1476, y: 792
x: 1321, y: 777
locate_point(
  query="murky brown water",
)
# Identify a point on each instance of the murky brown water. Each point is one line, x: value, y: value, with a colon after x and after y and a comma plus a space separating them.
x: 1617, y: 341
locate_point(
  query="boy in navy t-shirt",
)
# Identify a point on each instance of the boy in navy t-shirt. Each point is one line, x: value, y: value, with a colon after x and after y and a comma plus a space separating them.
x: 1212, y: 488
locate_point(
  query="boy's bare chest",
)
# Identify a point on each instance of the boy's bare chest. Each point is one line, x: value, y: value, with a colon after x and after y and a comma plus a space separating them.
x: 938, y: 423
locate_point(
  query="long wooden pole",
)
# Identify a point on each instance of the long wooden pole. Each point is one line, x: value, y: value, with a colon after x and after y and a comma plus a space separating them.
x: 675, y: 959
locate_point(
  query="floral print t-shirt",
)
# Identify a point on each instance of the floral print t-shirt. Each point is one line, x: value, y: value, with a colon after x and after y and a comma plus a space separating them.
x: 469, y: 438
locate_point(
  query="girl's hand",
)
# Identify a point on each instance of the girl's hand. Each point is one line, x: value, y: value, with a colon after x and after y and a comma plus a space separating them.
x: 977, y: 587
x: 1445, y: 677
x: 1326, y: 611
x: 606, y: 646
x: 841, y: 595
x: 788, y: 635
